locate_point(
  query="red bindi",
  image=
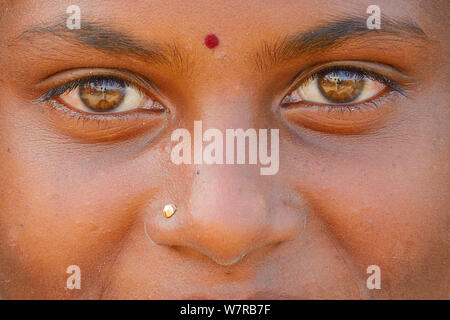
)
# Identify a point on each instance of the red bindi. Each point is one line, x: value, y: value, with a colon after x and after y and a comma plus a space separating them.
x: 211, y: 41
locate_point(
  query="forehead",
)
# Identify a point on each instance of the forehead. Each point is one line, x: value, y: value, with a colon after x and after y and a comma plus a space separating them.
x: 234, y: 18
x: 238, y: 24
x: 251, y: 33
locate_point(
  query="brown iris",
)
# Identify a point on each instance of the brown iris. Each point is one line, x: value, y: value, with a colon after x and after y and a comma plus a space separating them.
x: 102, y: 95
x: 341, y: 87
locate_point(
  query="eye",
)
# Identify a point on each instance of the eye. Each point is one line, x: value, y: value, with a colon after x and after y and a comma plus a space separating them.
x: 325, y: 99
x: 103, y: 95
x: 339, y: 86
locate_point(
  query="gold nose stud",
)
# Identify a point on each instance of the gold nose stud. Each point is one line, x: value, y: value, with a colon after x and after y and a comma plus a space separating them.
x: 169, y: 210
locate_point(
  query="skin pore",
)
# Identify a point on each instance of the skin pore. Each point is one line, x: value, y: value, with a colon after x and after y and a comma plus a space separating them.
x: 358, y: 185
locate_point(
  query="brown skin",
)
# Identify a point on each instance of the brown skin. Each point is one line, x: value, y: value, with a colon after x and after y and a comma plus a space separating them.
x: 343, y: 199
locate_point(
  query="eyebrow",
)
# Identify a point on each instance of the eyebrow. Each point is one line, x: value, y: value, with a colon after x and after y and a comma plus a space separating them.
x: 102, y: 37
x: 333, y: 34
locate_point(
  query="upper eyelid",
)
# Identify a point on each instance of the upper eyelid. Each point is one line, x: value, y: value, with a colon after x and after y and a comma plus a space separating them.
x: 385, y: 71
x: 360, y: 71
x: 66, y: 77
x: 387, y: 82
x: 74, y: 84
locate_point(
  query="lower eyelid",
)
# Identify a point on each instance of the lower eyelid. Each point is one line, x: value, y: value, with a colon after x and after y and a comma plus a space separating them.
x: 344, y: 119
x: 95, y: 127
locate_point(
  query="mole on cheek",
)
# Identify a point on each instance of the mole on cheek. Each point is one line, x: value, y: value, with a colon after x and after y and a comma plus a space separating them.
x: 211, y: 41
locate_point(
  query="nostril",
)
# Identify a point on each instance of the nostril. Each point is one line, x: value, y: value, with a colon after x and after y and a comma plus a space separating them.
x: 229, y: 262
x: 147, y: 235
x: 224, y: 245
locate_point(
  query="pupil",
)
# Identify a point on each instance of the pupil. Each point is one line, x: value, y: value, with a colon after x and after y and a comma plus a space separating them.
x: 102, y: 95
x: 341, y: 86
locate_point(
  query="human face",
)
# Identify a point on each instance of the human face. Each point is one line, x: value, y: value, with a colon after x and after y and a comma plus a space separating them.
x: 359, y: 183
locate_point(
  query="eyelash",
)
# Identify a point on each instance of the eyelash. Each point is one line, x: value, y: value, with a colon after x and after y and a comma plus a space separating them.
x: 393, y: 85
x: 74, y: 84
x: 360, y: 72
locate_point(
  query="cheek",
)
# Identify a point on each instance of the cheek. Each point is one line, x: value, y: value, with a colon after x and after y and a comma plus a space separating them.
x: 66, y: 204
x: 385, y: 202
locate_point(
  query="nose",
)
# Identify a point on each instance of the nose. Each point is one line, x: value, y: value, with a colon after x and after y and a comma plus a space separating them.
x: 226, y: 211
x: 230, y: 213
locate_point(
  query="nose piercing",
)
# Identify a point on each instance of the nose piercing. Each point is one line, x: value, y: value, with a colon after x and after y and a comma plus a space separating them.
x: 169, y: 210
